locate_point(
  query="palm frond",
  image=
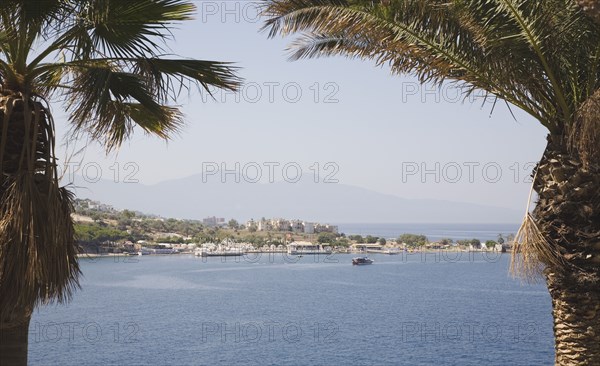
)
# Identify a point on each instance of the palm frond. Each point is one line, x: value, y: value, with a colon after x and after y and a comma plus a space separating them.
x: 166, y: 77
x: 584, y: 134
x: 530, y: 24
x: 503, y: 47
x: 36, y: 225
x: 37, y: 249
x: 129, y: 28
x: 533, y: 252
x: 103, y: 100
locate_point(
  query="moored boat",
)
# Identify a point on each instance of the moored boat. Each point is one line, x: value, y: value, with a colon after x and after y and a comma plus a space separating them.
x: 361, y: 261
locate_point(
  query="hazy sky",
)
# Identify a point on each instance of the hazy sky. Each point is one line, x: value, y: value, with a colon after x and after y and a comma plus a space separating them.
x: 375, y: 127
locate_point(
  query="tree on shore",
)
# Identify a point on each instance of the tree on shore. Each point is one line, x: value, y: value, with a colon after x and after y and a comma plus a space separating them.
x: 490, y: 244
x: 413, y: 240
x: 446, y: 241
x: 542, y: 57
x: 476, y: 243
x: 369, y: 239
x: 357, y: 238
x: 342, y: 242
x: 325, y: 238
x: 233, y: 224
x: 102, y: 60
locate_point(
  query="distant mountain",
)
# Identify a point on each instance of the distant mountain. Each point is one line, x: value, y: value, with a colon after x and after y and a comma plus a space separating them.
x: 334, y: 203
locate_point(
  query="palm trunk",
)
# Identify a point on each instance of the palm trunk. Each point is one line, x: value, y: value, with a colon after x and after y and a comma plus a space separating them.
x: 568, y: 214
x: 576, y: 312
x: 14, y: 342
x: 38, y: 260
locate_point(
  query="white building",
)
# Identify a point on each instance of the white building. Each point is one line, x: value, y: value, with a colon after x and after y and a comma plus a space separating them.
x: 309, y: 227
x: 297, y: 226
x: 265, y: 225
x: 326, y: 228
x: 281, y: 225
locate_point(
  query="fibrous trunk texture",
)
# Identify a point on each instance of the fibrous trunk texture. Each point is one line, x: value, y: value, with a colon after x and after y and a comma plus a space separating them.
x: 38, y: 261
x: 568, y: 214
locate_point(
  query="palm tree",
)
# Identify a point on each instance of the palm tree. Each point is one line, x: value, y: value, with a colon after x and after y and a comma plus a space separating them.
x: 105, y: 60
x: 540, y: 56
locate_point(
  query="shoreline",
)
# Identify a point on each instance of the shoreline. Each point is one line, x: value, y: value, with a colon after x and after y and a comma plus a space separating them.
x: 400, y: 253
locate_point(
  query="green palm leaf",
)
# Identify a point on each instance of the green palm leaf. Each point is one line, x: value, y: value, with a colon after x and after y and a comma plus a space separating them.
x: 130, y: 28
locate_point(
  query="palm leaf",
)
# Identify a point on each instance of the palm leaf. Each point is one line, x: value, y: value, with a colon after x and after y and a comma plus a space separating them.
x: 102, y: 100
x: 164, y: 75
x: 129, y: 28
x: 474, y: 43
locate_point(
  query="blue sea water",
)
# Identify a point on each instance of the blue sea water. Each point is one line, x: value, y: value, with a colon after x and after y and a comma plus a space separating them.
x: 409, y: 309
x: 433, y: 232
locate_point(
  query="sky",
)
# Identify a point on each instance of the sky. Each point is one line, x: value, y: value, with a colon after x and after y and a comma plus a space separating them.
x: 350, y: 121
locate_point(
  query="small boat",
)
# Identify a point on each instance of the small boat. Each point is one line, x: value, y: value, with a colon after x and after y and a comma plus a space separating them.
x: 362, y: 261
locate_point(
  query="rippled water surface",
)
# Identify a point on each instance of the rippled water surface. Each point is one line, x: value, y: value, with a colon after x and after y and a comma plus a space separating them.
x: 410, y: 309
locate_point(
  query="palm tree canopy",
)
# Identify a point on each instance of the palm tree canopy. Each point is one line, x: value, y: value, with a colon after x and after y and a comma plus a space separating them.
x: 541, y: 56
x: 107, y: 59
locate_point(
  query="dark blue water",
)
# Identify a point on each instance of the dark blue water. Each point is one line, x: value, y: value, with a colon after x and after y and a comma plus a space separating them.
x: 433, y: 232
x: 452, y: 309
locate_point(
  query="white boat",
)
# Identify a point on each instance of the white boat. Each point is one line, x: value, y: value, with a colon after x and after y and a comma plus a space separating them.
x: 359, y: 261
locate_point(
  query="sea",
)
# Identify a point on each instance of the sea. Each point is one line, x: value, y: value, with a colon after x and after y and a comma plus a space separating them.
x: 273, y: 309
